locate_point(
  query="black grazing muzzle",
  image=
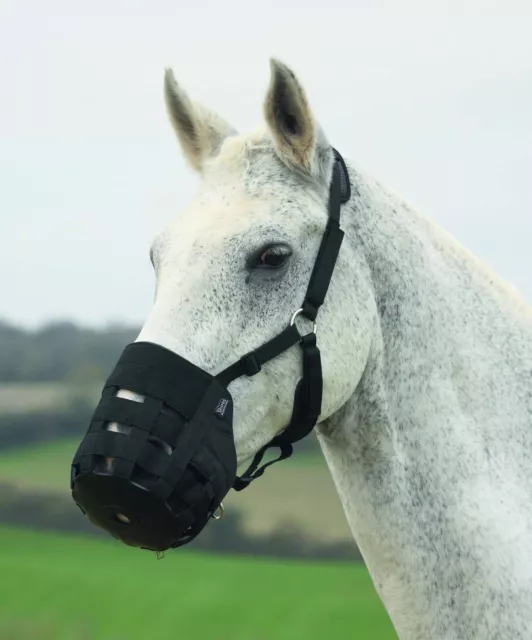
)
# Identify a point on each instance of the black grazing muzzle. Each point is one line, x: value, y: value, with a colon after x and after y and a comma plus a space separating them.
x: 156, y: 484
x: 156, y: 480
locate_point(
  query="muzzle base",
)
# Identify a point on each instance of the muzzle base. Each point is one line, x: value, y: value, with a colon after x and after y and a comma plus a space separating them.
x: 129, y: 512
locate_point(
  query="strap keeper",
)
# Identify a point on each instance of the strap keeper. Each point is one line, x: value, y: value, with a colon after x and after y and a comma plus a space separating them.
x: 251, y: 364
x: 309, y: 310
x: 308, y: 340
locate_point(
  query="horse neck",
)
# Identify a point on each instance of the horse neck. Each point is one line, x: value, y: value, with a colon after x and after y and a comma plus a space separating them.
x: 432, y: 456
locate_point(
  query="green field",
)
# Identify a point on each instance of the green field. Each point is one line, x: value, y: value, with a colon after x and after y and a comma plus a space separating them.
x: 296, y: 492
x: 43, y: 466
x: 60, y: 587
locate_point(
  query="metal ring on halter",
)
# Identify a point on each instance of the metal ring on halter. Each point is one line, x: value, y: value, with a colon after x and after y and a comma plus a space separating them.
x: 221, y: 510
x: 299, y: 312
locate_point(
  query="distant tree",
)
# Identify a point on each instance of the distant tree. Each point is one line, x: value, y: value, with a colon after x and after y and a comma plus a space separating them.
x: 59, y: 351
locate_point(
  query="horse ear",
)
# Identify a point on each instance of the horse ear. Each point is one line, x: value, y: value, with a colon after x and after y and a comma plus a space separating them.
x: 290, y: 119
x: 200, y: 131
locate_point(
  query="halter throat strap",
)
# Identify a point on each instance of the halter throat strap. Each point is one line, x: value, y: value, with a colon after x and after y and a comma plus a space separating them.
x: 309, y: 390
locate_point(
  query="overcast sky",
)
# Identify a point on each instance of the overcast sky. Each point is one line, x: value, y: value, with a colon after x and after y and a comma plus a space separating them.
x: 434, y: 98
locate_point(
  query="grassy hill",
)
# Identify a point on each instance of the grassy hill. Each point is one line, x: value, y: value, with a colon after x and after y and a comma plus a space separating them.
x: 59, y: 587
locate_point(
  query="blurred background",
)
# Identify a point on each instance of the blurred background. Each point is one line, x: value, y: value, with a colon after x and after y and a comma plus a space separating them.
x: 433, y: 98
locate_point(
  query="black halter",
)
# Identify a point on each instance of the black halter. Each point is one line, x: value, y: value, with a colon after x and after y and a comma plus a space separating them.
x: 308, y: 394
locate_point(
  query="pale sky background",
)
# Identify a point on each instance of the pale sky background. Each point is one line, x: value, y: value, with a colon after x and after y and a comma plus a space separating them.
x: 433, y: 98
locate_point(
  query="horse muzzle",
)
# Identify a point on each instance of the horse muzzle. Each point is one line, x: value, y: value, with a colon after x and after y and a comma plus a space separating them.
x: 156, y: 480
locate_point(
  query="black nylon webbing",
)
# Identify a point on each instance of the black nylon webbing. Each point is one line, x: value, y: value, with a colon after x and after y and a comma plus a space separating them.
x: 125, y: 411
x: 155, y: 373
x: 168, y: 430
x: 251, y: 363
x: 323, y: 269
x: 307, y: 403
x: 112, y: 445
x: 307, y: 408
x: 253, y: 471
x: 340, y: 192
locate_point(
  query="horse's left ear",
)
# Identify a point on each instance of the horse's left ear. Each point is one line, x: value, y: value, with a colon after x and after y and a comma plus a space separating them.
x: 296, y: 135
x: 200, y: 131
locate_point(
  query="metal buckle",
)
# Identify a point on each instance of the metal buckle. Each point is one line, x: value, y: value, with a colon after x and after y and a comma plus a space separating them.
x: 299, y: 312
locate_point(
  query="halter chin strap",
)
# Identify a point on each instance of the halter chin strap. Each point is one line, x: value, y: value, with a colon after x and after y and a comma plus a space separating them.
x: 309, y: 390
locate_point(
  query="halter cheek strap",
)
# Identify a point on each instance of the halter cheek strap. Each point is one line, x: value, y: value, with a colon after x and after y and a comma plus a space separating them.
x: 309, y: 390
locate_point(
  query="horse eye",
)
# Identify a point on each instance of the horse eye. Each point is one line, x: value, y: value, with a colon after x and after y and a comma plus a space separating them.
x: 273, y: 257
